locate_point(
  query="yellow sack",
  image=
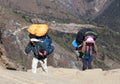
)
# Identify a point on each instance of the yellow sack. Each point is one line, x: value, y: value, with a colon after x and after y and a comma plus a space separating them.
x: 38, y: 29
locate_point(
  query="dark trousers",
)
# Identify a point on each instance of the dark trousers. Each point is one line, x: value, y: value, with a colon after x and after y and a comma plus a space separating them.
x: 87, y: 63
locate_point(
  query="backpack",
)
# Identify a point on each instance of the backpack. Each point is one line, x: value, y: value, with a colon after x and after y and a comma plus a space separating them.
x: 42, y: 51
x: 89, y: 47
x: 44, y: 46
x: 88, y: 50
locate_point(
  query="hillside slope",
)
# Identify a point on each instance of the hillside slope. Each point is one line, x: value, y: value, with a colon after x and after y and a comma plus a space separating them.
x: 59, y: 10
x: 111, y: 16
x: 61, y: 76
x: 14, y: 38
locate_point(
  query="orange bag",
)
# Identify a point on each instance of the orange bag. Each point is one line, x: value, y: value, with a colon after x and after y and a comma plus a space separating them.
x: 38, y: 29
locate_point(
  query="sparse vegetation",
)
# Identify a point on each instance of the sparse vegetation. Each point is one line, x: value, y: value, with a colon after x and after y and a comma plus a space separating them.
x: 63, y: 39
x: 108, y: 44
x: 108, y: 40
x: 52, y: 18
x: 100, y: 64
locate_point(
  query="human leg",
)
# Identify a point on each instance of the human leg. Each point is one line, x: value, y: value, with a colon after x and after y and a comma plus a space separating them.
x: 34, y: 65
x: 90, y: 62
x: 85, y: 63
x: 44, y: 65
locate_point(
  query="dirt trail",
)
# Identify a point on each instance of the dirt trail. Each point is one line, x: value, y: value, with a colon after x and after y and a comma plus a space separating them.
x: 60, y: 76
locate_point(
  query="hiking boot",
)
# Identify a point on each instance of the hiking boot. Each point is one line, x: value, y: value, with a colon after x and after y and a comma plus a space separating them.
x: 84, y: 68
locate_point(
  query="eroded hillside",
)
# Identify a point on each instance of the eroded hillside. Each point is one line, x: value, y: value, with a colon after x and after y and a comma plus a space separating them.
x: 59, y: 10
x: 14, y: 38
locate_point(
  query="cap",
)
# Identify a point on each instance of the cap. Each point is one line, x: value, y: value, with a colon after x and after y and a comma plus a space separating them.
x: 34, y: 39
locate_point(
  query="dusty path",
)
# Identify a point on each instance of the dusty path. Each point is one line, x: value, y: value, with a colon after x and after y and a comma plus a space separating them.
x: 61, y: 76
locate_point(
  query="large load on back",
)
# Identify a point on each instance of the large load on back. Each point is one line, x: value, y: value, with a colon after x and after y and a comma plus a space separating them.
x: 85, y: 38
x: 83, y: 33
x: 38, y: 29
x: 39, y: 34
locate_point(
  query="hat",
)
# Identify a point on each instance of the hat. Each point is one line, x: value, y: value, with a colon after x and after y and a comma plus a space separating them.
x: 34, y: 39
x: 90, y: 40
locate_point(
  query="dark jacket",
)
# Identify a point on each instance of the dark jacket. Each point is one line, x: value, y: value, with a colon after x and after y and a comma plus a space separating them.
x: 46, y: 45
x: 34, y: 48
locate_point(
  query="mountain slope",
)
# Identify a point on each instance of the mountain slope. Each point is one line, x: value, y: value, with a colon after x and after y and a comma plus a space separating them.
x: 61, y: 76
x: 14, y: 38
x: 59, y: 10
x: 111, y: 16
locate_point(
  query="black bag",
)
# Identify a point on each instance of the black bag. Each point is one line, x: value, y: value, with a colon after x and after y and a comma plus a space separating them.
x: 83, y: 33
